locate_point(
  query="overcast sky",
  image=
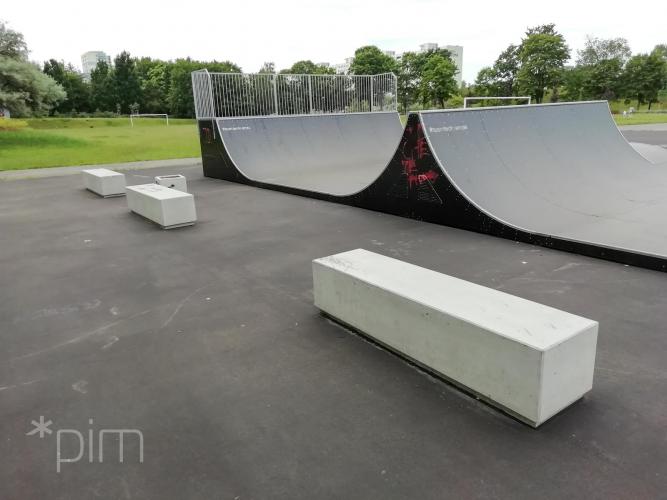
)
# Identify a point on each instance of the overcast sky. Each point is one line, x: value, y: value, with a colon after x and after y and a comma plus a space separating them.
x: 250, y: 32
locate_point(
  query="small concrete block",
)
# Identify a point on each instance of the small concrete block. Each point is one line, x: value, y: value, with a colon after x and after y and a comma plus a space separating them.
x: 528, y: 359
x: 177, y: 181
x: 165, y: 206
x: 104, y: 182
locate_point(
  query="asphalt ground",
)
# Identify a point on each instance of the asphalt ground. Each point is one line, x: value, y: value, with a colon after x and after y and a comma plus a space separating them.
x: 205, y: 340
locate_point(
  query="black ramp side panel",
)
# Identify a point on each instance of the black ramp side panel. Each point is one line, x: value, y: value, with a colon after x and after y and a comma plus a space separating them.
x: 337, y: 155
x: 562, y: 171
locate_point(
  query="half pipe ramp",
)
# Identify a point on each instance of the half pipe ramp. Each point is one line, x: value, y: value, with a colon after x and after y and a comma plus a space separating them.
x: 557, y: 175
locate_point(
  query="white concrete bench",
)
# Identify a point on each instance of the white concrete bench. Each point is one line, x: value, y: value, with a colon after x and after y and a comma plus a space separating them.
x: 526, y: 358
x: 167, y: 207
x: 172, y: 181
x: 104, y: 182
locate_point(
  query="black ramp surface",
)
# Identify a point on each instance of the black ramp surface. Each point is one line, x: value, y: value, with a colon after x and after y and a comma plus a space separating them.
x: 338, y: 155
x: 559, y: 170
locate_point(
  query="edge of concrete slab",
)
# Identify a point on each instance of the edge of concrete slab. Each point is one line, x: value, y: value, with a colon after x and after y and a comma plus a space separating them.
x: 650, y: 127
x: 38, y: 173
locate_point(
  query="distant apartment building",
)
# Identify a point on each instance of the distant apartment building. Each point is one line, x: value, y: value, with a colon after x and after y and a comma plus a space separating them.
x: 90, y: 59
x: 344, y: 67
x: 457, y: 56
x: 428, y: 46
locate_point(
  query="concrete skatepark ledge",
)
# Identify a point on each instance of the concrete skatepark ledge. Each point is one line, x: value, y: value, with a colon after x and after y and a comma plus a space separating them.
x: 557, y: 175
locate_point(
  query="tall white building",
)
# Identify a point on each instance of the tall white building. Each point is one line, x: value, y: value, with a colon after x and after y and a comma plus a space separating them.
x: 457, y: 56
x: 428, y: 46
x: 344, y: 67
x: 90, y: 59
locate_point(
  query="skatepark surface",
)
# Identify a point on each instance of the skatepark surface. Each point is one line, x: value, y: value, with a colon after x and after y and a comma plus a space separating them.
x: 650, y: 140
x: 206, y: 340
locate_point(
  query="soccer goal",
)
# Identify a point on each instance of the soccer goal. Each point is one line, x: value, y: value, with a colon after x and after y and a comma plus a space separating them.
x: 510, y: 98
x: 148, y: 115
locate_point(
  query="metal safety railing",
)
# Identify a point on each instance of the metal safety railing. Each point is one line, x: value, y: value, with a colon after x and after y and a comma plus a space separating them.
x: 219, y: 95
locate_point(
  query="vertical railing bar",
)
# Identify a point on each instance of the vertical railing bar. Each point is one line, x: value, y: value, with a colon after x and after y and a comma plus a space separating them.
x: 239, y: 106
x: 247, y: 90
x: 219, y: 102
x: 244, y: 94
x: 239, y: 83
x: 232, y: 96
x: 275, y: 94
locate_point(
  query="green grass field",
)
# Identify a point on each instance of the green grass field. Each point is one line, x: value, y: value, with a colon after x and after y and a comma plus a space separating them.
x: 641, y: 118
x: 52, y: 142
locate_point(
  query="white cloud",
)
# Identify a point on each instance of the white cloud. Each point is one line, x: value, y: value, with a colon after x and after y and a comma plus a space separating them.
x: 285, y: 31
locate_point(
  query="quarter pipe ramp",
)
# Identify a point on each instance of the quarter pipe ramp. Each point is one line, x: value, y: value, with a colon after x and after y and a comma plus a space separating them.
x: 557, y: 175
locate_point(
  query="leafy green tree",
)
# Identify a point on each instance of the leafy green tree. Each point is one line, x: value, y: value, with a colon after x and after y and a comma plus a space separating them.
x: 155, y: 88
x: 600, y: 67
x: 603, y: 80
x: 12, y: 44
x: 408, y: 79
x: 308, y: 68
x: 268, y: 68
x: 55, y: 69
x: 542, y: 29
x: 143, y: 65
x: 506, y: 69
x: 543, y: 53
x: 127, y: 87
x: 78, y: 91
x: 102, y: 88
x: 411, y: 71
x: 25, y: 90
x: 573, y: 82
x: 661, y: 51
x: 598, y: 49
x: 180, y: 98
x: 644, y: 76
x: 153, y: 77
x: 369, y: 60
x: 501, y: 78
x: 485, y: 83
x: 438, y: 83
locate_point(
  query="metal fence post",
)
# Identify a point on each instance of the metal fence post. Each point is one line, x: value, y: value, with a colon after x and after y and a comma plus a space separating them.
x: 310, y: 93
x: 371, y: 93
x: 275, y: 92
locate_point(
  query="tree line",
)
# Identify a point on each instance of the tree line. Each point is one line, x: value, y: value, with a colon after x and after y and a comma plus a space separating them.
x: 147, y: 85
x: 604, y: 69
x: 131, y: 85
x: 536, y: 66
